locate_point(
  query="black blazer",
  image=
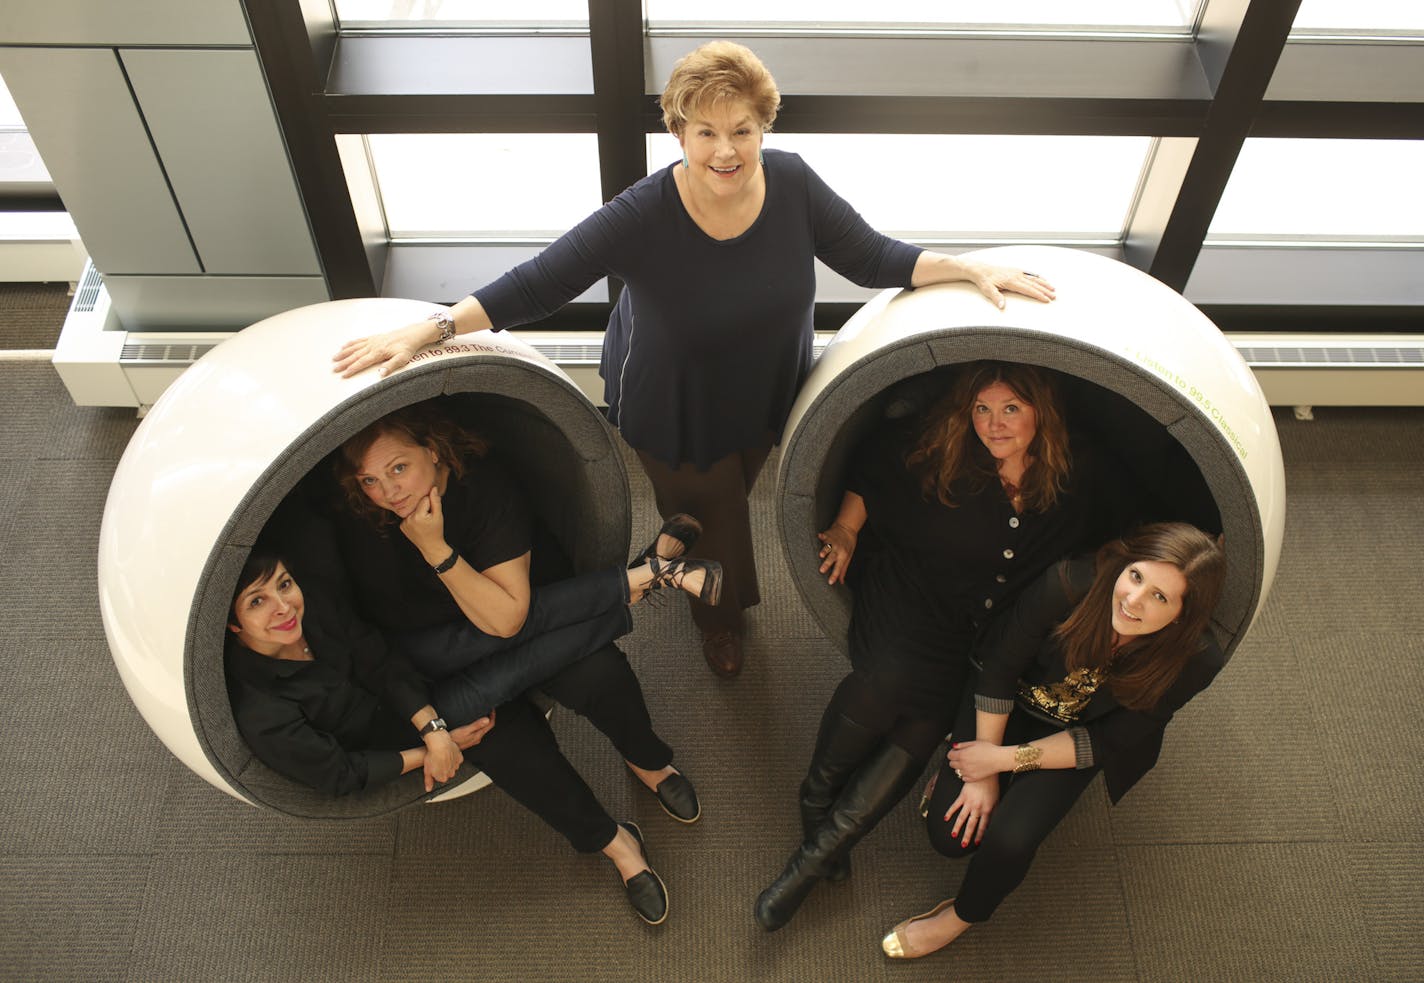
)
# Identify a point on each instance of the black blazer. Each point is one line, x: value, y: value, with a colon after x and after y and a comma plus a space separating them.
x: 337, y: 723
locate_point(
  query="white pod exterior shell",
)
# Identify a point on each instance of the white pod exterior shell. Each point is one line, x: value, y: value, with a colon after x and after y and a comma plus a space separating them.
x: 1113, y: 327
x: 236, y: 432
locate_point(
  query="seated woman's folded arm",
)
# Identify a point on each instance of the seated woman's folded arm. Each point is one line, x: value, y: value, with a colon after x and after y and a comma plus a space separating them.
x: 286, y: 742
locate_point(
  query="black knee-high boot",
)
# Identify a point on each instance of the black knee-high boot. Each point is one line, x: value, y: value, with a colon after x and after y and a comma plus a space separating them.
x: 870, y: 794
x: 841, y: 746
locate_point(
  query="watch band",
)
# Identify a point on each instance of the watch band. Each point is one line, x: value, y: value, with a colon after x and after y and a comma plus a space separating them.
x: 447, y: 563
x: 431, y: 726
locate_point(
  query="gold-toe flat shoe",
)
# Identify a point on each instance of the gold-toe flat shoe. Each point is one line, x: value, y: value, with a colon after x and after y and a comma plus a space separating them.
x: 895, y: 944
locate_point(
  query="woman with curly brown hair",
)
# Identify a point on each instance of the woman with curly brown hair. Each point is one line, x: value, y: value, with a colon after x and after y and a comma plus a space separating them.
x: 711, y: 336
x: 1081, y: 677
x: 947, y: 516
x: 438, y: 540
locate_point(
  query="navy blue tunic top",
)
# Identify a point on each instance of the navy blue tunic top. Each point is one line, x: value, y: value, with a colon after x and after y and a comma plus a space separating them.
x: 709, y: 343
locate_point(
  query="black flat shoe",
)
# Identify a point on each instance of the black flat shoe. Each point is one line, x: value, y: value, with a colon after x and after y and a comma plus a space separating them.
x: 646, y: 891
x: 681, y: 527
x: 679, y: 799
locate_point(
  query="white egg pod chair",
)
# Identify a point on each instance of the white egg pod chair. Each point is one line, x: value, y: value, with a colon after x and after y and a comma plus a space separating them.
x: 1174, y: 412
x: 232, y: 438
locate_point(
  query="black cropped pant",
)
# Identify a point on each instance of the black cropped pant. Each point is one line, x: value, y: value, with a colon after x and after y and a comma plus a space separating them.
x: 1030, y: 806
x: 521, y: 755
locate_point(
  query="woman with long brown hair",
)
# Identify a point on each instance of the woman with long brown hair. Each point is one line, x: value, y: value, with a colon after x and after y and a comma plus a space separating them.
x: 1081, y: 677
x: 946, y: 515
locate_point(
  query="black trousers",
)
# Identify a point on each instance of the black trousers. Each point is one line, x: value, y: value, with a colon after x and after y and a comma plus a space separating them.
x: 521, y: 755
x: 1030, y: 806
x: 718, y: 498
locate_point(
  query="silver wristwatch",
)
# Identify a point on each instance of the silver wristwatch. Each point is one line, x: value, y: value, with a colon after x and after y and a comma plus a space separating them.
x: 431, y: 726
x: 446, y: 324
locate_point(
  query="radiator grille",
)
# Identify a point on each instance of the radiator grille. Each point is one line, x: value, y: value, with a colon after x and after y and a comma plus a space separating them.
x: 150, y: 352
x: 565, y: 353
x: 87, y: 294
x: 1274, y: 356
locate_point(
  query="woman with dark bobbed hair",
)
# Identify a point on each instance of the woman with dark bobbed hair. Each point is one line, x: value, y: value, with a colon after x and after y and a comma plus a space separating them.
x: 946, y: 515
x: 320, y: 698
x: 1081, y: 677
x: 711, y: 336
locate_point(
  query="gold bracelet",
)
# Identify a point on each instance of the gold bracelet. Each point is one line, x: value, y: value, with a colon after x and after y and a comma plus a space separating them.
x: 1026, y: 758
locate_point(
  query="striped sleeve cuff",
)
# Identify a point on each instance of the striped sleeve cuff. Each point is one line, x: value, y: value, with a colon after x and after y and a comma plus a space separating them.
x: 993, y: 704
x: 1082, y: 747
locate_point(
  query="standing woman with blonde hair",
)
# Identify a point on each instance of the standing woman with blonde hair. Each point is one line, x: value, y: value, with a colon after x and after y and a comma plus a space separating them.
x: 711, y: 337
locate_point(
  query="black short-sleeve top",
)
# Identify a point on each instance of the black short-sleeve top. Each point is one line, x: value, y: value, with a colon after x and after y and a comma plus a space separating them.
x: 487, y: 520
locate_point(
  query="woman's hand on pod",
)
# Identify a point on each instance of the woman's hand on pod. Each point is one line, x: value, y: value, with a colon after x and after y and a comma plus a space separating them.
x: 837, y: 548
x: 390, y: 350
x: 993, y: 281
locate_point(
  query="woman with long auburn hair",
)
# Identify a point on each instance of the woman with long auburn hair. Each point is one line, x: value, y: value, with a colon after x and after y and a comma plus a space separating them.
x: 947, y: 515
x: 1081, y: 677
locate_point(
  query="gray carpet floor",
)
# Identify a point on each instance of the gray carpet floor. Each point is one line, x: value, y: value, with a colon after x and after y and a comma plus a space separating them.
x: 1279, y: 839
x: 31, y: 314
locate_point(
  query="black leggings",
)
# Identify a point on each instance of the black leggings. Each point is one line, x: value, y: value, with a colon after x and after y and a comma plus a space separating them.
x: 1030, y: 806
x: 858, y: 698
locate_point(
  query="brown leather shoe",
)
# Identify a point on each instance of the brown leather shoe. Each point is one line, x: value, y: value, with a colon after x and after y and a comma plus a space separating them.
x: 723, y: 652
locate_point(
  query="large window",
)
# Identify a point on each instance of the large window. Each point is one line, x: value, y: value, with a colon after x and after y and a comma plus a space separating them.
x: 479, y: 15
x: 485, y: 185
x: 21, y: 169
x: 1368, y: 17
x: 929, y: 188
x: 846, y: 15
x: 1324, y: 191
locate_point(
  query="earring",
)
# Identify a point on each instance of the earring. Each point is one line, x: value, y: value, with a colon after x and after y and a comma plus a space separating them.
x: 760, y: 158
x: 685, y: 164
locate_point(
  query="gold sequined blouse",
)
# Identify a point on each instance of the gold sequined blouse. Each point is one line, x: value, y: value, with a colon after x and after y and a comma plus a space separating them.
x: 1066, y: 700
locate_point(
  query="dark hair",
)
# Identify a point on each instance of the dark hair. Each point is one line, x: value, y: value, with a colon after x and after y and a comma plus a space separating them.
x: 1142, y: 671
x: 419, y: 424
x: 260, y: 566
x: 948, y: 448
